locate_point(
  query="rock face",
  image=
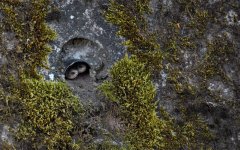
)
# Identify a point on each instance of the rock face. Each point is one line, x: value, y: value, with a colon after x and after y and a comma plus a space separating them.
x: 85, y: 36
x: 207, y: 62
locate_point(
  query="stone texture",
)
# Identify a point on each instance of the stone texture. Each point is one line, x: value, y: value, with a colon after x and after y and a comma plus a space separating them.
x: 100, y: 48
x: 83, y: 34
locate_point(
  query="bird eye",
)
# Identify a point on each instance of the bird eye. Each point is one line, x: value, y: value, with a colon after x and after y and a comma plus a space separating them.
x: 72, y: 73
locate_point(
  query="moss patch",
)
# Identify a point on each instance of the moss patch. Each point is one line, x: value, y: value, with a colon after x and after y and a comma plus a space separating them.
x: 47, y: 113
x: 129, y: 17
x: 131, y: 88
x: 27, y: 21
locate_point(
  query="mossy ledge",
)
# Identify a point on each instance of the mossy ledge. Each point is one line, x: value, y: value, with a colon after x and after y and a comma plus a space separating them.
x: 47, y: 113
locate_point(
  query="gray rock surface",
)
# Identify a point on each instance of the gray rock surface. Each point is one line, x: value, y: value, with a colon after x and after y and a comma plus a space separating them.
x: 84, y: 35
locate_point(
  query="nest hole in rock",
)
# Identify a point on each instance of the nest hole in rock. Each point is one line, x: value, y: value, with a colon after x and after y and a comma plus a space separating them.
x: 77, y: 70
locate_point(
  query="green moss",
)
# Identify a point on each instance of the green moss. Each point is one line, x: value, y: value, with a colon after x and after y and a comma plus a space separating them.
x: 130, y: 19
x: 49, y: 112
x: 9, y: 105
x: 27, y: 21
x: 7, y: 146
x: 199, y: 19
x: 108, y: 145
x: 192, y: 132
x: 131, y: 88
x: 219, y: 52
